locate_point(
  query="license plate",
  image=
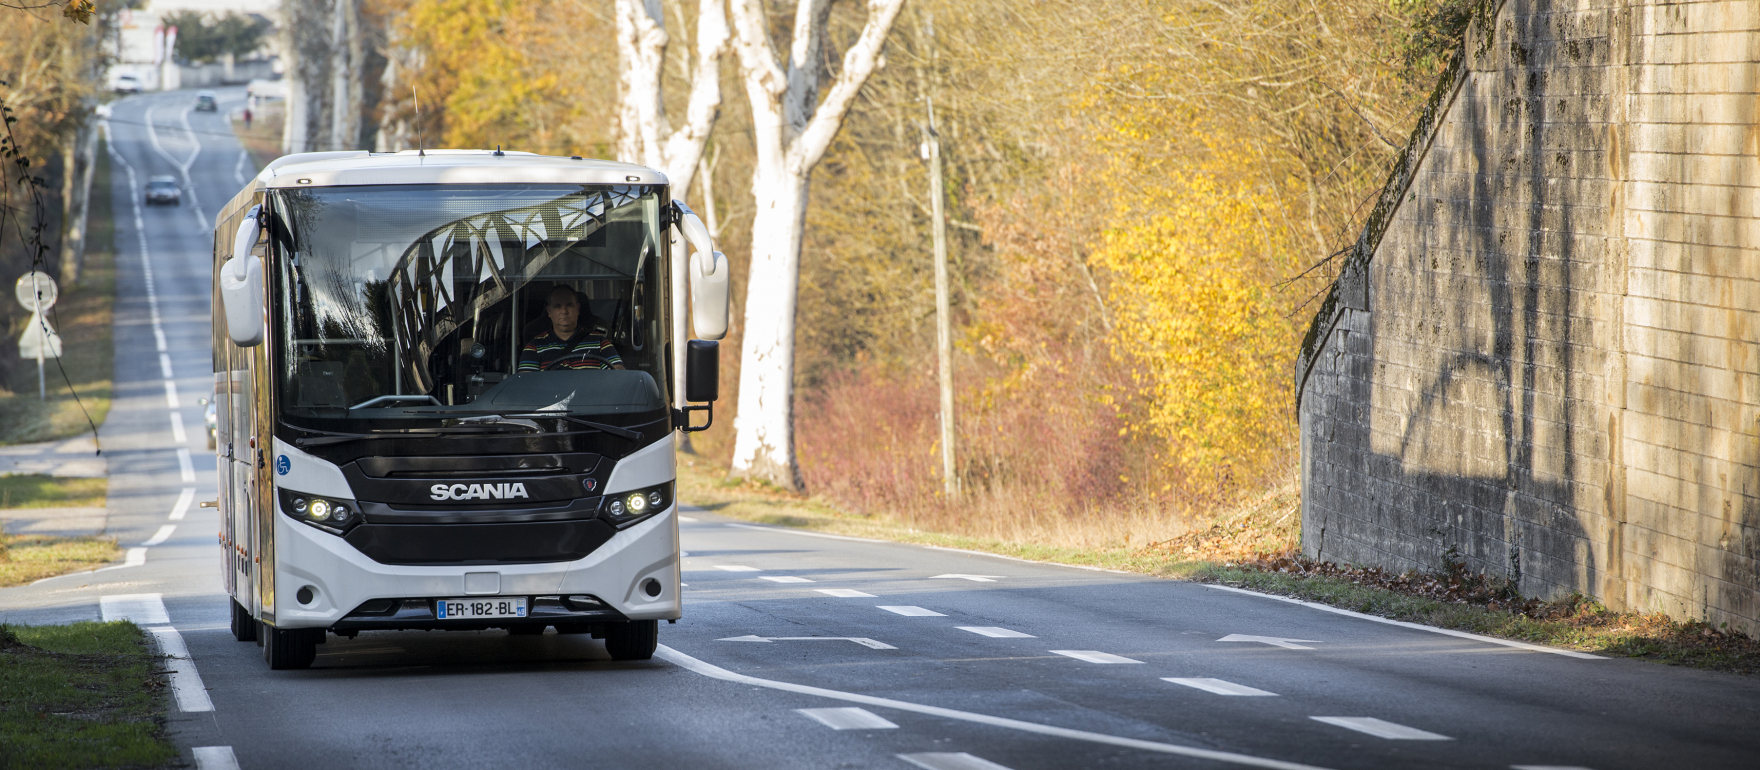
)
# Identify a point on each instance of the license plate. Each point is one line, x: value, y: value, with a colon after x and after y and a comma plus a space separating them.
x: 481, y: 607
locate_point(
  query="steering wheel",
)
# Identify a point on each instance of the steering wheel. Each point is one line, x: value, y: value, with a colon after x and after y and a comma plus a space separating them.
x: 605, y: 362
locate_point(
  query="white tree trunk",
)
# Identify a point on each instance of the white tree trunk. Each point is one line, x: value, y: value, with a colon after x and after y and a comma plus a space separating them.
x: 764, y: 425
x: 791, y: 130
x: 644, y: 135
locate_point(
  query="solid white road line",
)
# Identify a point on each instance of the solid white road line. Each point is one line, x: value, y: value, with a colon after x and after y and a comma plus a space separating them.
x: 177, y: 433
x: 848, y: 718
x: 1095, y: 656
x: 162, y: 535
x: 844, y: 593
x: 716, y: 672
x: 215, y: 758
x: 784, y: 579
x: 183, y: 501
x: 165, y: 365
x: 186, y: 684
x: 911, y: 612
x: 171, y: 394
x: 159, y: 339
x: 1381, y: 728
x: 1218, y: 686
x: 995, y: 632
x: 143, y: 609
x: 737, y: 568
x: 184, y: 466
x: 941, y: 760
x: 1413, y: 626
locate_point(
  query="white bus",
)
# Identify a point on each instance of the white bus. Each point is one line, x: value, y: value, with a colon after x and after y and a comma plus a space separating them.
x: 448, y: 386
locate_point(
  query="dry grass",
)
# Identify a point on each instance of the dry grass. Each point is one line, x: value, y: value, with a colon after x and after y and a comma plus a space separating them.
x: 262, y: 139
x: 28, y: 558
x: 1135, y: 542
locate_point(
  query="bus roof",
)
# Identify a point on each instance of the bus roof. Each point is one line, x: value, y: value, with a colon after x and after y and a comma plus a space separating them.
x: 326, y: 169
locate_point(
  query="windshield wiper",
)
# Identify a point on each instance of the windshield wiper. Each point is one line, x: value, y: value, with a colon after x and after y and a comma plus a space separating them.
x: 624, y: 433
x: 338, y: 437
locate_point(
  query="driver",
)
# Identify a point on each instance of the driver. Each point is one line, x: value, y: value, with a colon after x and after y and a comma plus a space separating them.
x: 568, y: 345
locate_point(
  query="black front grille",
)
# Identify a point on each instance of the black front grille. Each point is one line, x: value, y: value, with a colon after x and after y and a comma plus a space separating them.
x: 458, y: 544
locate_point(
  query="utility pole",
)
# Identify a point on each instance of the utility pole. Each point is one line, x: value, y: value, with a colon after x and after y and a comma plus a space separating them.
x: 943, y: 317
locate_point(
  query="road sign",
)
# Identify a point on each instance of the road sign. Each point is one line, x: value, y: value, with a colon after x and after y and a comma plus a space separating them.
x: 39, y: 339
x: 36, y: 290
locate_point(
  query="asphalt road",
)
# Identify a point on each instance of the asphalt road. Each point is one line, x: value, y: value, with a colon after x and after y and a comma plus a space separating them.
x: 807, y: 651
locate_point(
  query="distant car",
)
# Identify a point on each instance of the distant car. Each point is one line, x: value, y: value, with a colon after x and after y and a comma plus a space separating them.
x: 163, y: 189
x: 212, y: 420
x: 127, y: 84
x: 207, y: 101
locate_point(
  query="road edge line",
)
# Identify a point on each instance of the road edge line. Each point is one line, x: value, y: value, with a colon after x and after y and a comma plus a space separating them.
x: 716, y: 672
x: 1408, y: 624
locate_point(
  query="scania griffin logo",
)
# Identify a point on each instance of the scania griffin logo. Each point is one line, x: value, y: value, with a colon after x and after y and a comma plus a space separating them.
x: 477, y: 491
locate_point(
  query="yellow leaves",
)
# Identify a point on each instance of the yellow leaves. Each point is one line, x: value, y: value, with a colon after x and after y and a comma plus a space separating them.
x: 79, y: 10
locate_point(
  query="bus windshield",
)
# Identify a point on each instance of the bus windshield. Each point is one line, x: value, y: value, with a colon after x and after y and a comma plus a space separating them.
x: 401, y: 302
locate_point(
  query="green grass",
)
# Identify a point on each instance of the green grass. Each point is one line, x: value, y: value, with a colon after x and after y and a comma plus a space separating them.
x: 83, y: 318
x: 85, y: 695
x: 35, y: 490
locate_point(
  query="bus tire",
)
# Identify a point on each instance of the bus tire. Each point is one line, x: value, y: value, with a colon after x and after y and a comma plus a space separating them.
x: 632, y: 640
x: 244, y: 627
x: 289, y: 648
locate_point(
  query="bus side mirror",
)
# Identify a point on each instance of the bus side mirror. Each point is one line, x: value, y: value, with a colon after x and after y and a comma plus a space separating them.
x: 702, y: 371
x: 241, y: 286
x: 709, y: 274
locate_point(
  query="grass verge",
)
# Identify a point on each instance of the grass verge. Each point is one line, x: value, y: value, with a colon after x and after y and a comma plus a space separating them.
x: 84, y: 695
x: 35, y: 490
x: 83, y: 319
x: 1236, y: 548
x: 263, y: 139
x: 25, y: 559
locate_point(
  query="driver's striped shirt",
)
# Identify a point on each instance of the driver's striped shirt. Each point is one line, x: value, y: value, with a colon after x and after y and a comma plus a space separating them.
x: 587, y: 350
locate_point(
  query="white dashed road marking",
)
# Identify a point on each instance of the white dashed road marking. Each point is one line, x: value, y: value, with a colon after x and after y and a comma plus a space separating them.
x: 1094, y: 656
x: 844, y: 593
x: 737, y: 568
x: 861, y: 640
x: 996, y: 633
x: 1288, y: 644
x: 850, y: 718
x: 184, y: 466
x: 950, y: 761
x: 133, y: 557
x: 1381, y: 728
x: 689, y: 663
x: 1218, y: 686
x: 162, y: 535
x: 143, y: 609
x: 784, y: 579
x: 973, y: 578
x: 178, y: 435
x: 183, y: 501
x: 911, y: 612
x: 215, y: 758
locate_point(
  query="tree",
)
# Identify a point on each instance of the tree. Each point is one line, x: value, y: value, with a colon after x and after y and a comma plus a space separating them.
x: 643, y: 133
x: 791, y: 131
x: 204, y: 37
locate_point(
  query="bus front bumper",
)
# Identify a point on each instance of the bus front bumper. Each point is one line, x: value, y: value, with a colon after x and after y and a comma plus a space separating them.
x: 634, y: 575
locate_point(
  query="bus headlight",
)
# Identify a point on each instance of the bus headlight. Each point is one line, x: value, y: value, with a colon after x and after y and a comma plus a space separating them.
x: 330, y: 514
x: 625, y: 507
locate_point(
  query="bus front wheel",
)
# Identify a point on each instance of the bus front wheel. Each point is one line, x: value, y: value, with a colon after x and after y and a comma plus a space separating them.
x: 289, y: 648
x: 632, y: 640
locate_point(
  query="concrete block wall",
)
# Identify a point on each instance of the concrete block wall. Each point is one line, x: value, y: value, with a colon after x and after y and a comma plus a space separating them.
x: 1544, y: 355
